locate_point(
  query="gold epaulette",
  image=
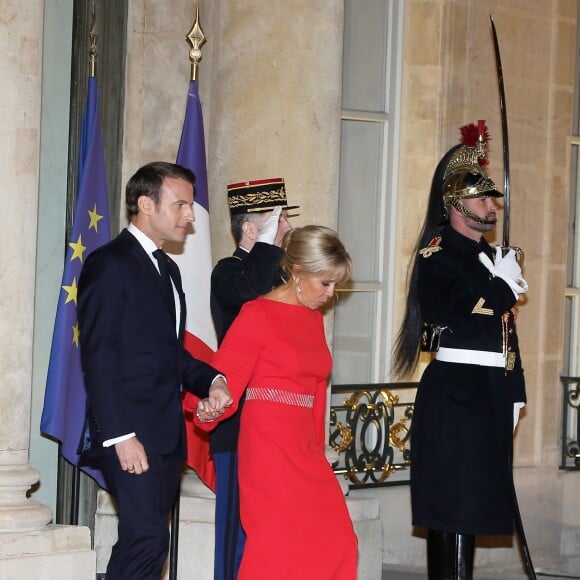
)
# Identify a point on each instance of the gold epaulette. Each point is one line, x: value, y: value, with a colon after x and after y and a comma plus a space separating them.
x: 433, y: 247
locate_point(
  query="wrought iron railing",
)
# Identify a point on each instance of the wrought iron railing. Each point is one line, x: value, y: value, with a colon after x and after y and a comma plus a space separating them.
x: 370, y: 431
x: 570, y: 424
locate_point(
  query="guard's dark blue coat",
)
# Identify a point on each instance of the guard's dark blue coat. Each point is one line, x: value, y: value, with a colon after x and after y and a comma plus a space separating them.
x: 462, y: 430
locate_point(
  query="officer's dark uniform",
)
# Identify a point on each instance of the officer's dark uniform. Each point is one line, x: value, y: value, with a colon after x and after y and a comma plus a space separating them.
x: 239, y: 278
x: 462, y: 427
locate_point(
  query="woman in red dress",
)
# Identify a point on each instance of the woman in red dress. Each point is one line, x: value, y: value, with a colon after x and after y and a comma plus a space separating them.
x: 292, y: 508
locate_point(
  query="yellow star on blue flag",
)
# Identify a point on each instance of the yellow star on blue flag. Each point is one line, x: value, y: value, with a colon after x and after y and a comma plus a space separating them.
x: 71, y: 292
x: 94, y: 219
x: 78, y: 249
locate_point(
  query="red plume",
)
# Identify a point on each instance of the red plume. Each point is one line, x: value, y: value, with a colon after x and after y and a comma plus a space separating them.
x: 471, y: 133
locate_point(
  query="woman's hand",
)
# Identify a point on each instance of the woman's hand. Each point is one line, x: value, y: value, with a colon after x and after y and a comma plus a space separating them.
x: 202, y: 412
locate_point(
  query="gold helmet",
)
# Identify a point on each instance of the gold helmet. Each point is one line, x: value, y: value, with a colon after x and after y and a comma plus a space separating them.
x: 464, y: 177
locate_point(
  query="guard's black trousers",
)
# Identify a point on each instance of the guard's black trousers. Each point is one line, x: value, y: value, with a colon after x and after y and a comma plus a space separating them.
x: 450, y: 555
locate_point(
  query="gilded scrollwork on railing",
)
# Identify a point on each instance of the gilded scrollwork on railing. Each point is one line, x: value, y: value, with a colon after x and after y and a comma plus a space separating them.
x: 342, y: 437
x: 570, y: 424
x: 370, y: 431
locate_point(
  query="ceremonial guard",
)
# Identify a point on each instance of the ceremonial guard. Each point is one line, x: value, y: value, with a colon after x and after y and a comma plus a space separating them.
x: 461, y: 306
x: 259, y: 221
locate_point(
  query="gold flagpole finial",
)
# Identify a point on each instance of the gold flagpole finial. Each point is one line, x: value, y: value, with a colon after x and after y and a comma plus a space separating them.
x: 196, y: 38
x: 93, y: 52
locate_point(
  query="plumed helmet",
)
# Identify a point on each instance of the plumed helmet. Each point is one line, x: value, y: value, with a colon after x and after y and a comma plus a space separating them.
x: 464, y: 177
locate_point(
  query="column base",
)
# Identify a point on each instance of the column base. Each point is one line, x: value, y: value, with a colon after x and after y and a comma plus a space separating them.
x: 17, y: 512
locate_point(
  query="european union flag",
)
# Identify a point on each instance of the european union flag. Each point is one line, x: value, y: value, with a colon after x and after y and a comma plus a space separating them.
x: 63, y: 413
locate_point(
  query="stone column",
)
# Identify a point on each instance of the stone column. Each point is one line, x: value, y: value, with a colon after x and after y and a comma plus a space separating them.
x: 28, y: 547
x: 21, y: 74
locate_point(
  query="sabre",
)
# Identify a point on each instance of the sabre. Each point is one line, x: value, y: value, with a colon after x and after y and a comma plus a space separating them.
x: 505, y: 139
x: 505, y: 246
x: 506, y: 150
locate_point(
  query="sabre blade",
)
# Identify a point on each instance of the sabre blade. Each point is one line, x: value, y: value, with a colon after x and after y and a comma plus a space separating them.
x: 505, y: 138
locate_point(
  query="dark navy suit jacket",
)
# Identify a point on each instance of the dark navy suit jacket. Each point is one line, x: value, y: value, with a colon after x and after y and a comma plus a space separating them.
x: 134, y: 363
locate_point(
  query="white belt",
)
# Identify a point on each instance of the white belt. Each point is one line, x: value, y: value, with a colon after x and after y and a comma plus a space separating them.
x: 482, y: 358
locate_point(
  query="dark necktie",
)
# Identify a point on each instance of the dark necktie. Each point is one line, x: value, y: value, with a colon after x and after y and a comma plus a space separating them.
x: 163, y: 262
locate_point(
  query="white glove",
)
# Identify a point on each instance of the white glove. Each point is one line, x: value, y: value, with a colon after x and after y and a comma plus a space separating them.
x: 507, y: 264
x: 517, y: 407
x: 518, y: 285
x: 270, y: 227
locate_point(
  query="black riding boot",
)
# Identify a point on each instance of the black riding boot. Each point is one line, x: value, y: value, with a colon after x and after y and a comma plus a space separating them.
x: 450, y: 555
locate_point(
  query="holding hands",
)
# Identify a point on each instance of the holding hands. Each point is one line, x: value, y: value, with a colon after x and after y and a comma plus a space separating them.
x: 214, y: 405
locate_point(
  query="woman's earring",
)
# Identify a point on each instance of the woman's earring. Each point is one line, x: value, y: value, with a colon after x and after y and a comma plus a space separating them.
x: 298, y: 290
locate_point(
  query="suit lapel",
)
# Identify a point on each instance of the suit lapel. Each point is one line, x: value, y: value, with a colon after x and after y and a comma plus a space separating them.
x: 146, y: 264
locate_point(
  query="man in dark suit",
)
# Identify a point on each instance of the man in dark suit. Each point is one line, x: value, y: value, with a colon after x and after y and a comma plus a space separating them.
x: 131, y: 319
x: 259, y: 214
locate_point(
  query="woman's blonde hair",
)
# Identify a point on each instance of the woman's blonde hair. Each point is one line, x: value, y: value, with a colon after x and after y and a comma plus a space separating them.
x: 316, y: 250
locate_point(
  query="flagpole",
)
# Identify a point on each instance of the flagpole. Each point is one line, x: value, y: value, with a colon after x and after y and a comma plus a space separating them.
x: 76, y: 472
x: 93, y: 52
x: 196, y: 38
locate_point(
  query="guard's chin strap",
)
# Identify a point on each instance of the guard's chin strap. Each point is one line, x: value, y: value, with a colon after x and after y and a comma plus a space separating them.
x: 462, y: 209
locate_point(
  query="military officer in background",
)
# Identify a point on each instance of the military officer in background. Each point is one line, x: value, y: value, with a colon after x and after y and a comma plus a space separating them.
x: 460, y: 305
x: 259, y: 221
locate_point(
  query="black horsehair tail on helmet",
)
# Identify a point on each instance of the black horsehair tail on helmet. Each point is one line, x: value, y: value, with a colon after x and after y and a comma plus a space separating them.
x: 406, y: 347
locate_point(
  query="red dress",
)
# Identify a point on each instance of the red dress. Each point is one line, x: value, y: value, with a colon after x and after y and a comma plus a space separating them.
x: 292, y: 508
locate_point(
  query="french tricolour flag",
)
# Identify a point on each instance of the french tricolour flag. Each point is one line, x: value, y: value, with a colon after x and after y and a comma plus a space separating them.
x: 195, y: 264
